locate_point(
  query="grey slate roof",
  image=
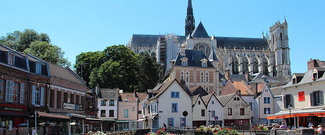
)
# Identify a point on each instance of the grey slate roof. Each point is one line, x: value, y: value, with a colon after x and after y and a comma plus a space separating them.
x: 108, y: 93
x: 194, y: 59
x: 200, y: 32
x: 65, y: 73
x: 240, y: 43
x: 198, y: 90
x: 259, y: 78
x: 213, y: 56
x: 225, y: 98
x: 142, y: 40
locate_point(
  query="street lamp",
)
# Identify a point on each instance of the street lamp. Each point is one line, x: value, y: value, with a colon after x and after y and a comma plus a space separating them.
x: 209, y: 117
x: 290, y: 108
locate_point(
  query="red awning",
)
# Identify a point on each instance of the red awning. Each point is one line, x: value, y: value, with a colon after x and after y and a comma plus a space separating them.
x: 299, y: 113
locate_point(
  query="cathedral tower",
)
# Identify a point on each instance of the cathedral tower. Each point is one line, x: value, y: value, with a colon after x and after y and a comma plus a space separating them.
x: 280, y: 47
x: 189, y: 20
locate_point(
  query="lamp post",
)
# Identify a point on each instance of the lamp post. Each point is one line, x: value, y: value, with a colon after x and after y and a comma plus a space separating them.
x: 290, y: 108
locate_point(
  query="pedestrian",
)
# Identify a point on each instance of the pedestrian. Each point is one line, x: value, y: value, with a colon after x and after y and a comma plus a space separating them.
x: 320, y: 130
x: 284, y: 126
x: 164, y: 124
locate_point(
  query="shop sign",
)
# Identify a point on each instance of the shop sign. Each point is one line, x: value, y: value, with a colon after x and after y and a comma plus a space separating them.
x: 7, y: 108
x: 69, y: 106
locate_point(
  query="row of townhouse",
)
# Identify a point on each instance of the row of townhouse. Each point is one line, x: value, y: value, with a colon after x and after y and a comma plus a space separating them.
x: 303, y: 98
x: 173, y: 104
x: 119, y: 110
x: 31, y: 87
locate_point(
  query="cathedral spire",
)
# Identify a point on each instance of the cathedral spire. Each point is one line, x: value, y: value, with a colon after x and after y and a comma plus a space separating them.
x: 189, y: 21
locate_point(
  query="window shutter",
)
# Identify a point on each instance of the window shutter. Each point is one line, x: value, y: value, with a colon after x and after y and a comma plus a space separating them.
x: 11, y: 91
x: 33, y: 94
x: 321, y: 97
x: 22, y: 93
x: 7, y: 90
x: 311, y: 99
x: 42, y: 94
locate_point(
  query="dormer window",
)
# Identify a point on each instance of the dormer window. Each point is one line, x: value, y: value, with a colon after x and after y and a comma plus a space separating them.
x: 204, y: 63
x: 184, y: 62
x: 11, y: 59
x: 294, y: 81
x: 38, y: 68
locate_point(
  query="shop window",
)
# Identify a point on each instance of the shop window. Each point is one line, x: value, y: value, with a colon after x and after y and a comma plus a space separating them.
x: 170, y: 122
x: 183, y: 122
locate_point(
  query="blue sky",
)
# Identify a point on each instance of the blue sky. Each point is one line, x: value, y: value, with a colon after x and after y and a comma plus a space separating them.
x: 91, y: 25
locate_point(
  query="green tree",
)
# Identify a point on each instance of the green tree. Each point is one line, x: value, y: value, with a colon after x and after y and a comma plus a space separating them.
x: 148, y: 72
x: 38, y: 45
x: 118, y: 67
x: 88, y: 62
x: 47, y: 52
x: 22, y: 40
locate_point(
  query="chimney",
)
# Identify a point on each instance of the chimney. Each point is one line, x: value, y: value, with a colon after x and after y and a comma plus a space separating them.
x: 227, y: 74
x: 239, y: 92
x: 312, y: 63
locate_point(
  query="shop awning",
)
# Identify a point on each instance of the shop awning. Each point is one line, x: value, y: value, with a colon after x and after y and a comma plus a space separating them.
x: 108, y: 120
x: 122, y: 121
x: 94, y: 119
x: 51, y: 115
x: 319, y: 112
x: 77, y: 115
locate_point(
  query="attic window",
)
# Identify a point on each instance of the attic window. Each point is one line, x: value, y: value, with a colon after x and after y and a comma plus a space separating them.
x: 294, y: 81
x: 314, y: 76
x: 204, y: 63
x: 184, y: 62
x: 11, y: 59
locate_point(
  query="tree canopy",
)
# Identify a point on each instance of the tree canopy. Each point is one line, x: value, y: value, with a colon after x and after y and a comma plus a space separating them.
x: 39, y: 45
x: 118, y: 67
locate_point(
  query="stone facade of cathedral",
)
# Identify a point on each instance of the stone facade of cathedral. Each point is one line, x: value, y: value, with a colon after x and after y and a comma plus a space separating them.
x: 241, y: 56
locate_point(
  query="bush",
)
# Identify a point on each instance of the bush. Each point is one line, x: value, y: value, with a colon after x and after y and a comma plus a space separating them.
x: 216, y: 130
